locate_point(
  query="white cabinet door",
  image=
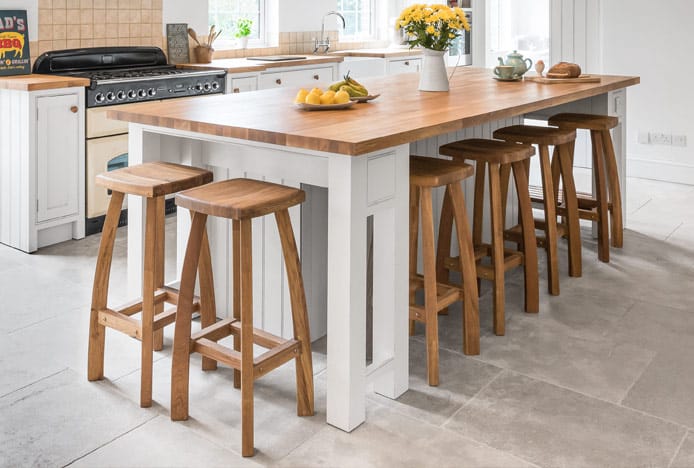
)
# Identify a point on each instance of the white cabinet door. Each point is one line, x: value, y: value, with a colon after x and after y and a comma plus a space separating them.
x: 409, y: 65
x: 241, y: 84
x: 57, y: 156
x: 300, y: 78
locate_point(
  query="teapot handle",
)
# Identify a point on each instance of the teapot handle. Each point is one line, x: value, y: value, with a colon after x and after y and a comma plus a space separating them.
x: 529, y: 64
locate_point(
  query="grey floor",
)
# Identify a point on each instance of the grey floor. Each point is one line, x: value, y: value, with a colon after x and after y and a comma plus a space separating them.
x: 601, y: 377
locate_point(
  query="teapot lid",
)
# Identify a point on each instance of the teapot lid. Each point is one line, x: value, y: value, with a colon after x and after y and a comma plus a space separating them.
x: 515, y: 54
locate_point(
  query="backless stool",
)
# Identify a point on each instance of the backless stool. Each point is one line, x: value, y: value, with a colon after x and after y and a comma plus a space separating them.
x: 498, y: 157
x: 560, y: 167
x: 153, y: 181
x: 241, y: 200
x: 425, y: 174
x: 607, y: 199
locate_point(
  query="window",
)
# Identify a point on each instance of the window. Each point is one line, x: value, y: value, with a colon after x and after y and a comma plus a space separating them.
x: 225, y: 13
x: 359, y: 18
x: 523, y: 26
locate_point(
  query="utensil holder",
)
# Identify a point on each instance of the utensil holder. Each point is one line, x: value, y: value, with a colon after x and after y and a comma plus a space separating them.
x: 203, y: 54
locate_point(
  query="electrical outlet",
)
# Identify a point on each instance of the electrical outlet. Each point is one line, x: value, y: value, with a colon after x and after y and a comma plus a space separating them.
x: 643, y: 138
x: 679, y: 140
x: 658, y: 138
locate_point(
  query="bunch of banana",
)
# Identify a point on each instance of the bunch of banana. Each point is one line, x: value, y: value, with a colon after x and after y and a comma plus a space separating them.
x: 351, y: 86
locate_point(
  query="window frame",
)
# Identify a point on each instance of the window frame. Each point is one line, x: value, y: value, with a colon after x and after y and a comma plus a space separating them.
x: 373, y: 23
x: 226, y: 43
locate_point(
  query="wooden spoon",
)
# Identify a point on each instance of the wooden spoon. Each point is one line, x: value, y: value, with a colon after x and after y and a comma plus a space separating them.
x: 191, y: 33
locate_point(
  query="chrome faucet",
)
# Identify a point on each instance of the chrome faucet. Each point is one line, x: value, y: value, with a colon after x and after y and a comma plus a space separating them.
x: 325, y: 41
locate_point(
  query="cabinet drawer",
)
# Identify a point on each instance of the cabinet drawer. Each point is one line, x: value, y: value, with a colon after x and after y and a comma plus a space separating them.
x: 303, y: 78
x: 99, y: 125
x: 242, y: 84
x: 404, y: 66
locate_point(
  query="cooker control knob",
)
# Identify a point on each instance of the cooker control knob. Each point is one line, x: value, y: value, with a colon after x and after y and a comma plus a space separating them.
x: 100, y: 97
x: 152, y: 92
x: 215, y: 85
x: 207, y: 86
x: 198, y: 87
x: 121, y: 95
x: 132, y: 94
x: 110, y: 96
x: 142, y: 93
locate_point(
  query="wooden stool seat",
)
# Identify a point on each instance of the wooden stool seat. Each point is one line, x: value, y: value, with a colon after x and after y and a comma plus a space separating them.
x: 532, y: 134
x: 241, y: 200
x: 425, y: 174
x: 154, y: 179
x: 554, y: 169
x: 606, y: 202
x: 585, y: 121
x: 491, y: 151
x: 498, y: 158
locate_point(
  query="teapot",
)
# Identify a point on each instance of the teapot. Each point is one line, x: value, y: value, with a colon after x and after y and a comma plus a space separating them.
x: 516, y: 60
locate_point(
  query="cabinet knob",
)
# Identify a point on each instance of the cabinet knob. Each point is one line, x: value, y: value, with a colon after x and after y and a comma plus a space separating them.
x: 407, y: 63
x: 316, y: 77
x: 278, y: 81
x: 74, y: 109
x: 236, y: 90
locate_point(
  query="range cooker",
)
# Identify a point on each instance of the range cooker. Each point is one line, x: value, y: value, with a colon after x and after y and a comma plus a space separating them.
x: 121, y: 75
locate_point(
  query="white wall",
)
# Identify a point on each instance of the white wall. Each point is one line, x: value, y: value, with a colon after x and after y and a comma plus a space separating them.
x: 184, y: 11
x: 32, y: 13
x: 653, y: 40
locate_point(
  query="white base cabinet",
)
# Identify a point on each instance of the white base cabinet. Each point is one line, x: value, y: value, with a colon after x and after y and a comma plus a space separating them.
x: 41, y: 167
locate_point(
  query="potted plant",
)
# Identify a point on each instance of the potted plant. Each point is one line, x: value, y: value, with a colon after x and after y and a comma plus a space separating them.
x: 243, y: 30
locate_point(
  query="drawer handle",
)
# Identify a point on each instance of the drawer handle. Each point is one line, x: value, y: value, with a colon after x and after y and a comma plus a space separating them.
x: 74, y: 109
x: 407, y: 63
x: 237, y: 90
x: 316, y: 77
x: 278, y: 81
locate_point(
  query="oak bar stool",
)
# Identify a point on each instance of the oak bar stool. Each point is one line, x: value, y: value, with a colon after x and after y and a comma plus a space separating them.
x: 608, y: 198
x: 425, y: 174
x: 153, y: 181
x: 241, y: 200
x: 559, y: 167
x: 497, y: 157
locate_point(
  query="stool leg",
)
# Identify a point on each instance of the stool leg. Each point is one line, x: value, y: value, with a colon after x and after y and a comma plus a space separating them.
x: 97, y: 332
x: 601, y: 196
x: 414, y: 234
x: 148, y: 287
x: 160, y: 255
x: 478, y: 211
x: 208, y: 306
x: 497, y: 248
x: 180, y: 359
x: 615, y: 193
x: 563, y: 157
x: 236, y: 259
x: 532, y: 289
x: 304, y: 361
x: 471, y: 310
x: 504, y: 177
x: 246, y: 286
x: 443, y: 246
x: 430, y: 293
x: 550, y: 221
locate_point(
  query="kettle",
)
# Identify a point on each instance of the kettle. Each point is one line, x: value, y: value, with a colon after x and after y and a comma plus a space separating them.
x: 516, y: 60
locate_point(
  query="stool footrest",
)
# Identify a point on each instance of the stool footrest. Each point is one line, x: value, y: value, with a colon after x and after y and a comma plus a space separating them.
x: 445, y: 296
x: 165, y: 318
x: 515, y: 233
x: 215, y: 332
x: 118, y: 321
x: 219, y: 353
x: 512, y: 259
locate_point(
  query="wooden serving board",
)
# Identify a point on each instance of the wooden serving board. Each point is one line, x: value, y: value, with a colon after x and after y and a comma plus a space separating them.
x: 580, y: 79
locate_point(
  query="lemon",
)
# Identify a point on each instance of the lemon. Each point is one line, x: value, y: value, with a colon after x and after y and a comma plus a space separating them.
x: 301, y: 95
x: 313, y: 98
x: 327, y: 97
x: 317, y: 91
x: 341, y: 97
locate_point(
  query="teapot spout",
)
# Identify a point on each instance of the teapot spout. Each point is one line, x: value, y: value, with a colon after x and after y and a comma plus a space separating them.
x: 501, y: 61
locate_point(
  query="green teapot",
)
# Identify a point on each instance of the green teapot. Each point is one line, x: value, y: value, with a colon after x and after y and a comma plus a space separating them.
x: 516, y: 60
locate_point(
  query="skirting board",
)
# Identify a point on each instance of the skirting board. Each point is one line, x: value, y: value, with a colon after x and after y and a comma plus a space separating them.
x: 660, y: 170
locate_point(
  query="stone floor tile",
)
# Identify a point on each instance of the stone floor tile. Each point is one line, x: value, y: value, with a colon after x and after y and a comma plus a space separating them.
x: 552, y: 426
x: 685, y: 457
x: 19, y: 368
x: 388, y: 439
x: 62, y: 418
x: 657, y: 327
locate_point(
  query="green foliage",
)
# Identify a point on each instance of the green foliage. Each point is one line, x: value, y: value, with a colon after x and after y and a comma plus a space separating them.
x: 243, y: 27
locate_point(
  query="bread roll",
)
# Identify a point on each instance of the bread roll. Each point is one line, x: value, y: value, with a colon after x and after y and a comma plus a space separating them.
x: 564, y: 70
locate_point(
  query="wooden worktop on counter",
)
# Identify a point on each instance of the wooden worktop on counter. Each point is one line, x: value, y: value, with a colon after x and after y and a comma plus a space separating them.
x: 389, y: 52
x: 38, y: 82
x: 242, y: 65
x: 402, y: 114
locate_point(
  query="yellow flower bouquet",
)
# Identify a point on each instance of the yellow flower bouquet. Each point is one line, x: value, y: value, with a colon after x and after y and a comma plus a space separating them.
x: 433, y: 27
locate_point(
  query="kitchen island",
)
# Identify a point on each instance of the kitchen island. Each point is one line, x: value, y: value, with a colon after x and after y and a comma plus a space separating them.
x: 361, y: 155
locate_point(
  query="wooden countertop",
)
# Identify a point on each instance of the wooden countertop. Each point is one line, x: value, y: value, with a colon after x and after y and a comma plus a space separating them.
x: 242, y: 65
x: 402, y: 114
x: 38, y: 82
x: 379, y: 53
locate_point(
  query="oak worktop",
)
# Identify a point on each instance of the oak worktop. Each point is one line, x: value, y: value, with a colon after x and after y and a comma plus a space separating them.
x: 37, y: 82
x: 388, y: 52
x: 402, y: 114
x: 242, y: 65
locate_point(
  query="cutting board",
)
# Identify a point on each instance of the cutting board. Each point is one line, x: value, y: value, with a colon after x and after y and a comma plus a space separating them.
x: 580, y: 79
